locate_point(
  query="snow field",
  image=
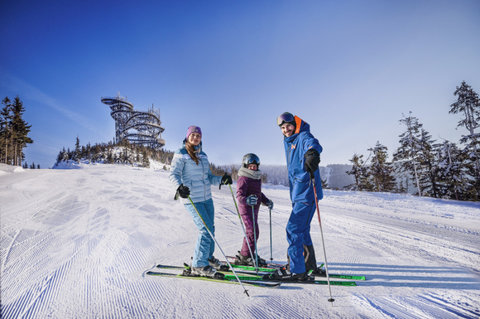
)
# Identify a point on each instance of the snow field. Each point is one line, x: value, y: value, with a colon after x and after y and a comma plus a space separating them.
x: 74, y: 244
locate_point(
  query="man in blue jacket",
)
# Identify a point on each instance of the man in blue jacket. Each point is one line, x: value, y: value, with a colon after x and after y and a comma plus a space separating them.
x: 302, y: 152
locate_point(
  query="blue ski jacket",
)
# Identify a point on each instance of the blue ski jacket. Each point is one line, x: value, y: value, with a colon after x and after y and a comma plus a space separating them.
x: 301, y: 187
x: 198, y: 178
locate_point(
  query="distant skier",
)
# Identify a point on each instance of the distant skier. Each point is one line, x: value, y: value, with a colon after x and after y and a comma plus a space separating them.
x: 191, y: 175
x: 249, y: 193
x: 302, y: 152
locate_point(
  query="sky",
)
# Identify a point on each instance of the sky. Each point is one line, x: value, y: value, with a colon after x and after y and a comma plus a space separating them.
x: 350, y: 69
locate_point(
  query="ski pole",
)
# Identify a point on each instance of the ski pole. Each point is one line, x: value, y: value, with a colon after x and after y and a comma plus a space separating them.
x: 312, y: 178
x: 270, y: 213
x: 219, y: 247
x: 255, y: 238
x: 243, y: 226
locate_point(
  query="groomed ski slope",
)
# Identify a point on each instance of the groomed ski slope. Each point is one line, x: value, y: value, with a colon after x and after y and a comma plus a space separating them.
x: 74, y: 244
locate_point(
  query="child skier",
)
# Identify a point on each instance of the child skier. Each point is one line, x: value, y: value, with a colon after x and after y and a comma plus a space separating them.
x: 249, y: 193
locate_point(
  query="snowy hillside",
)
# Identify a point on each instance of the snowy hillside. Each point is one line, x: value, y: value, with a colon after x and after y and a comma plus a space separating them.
x: 74, y: 244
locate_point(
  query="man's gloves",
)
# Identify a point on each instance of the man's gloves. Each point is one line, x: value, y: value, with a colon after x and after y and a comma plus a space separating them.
x: 252, y: 200
x: 226, y: 179
x: 270, y: 204
x: 312, y: 159
x: 183, y: 191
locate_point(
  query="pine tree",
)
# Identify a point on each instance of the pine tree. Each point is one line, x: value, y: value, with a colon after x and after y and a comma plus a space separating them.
x: 381, y: 170
x: 6, y: 116
x: 428, y: 165
x: 65, y: 155
x: 88, y: 151
x: 110, y: 159
x: 77, y: 152
x: 19, y: 129
x: 468, y: 103
x: 360, y: 174
x: 407, y: 154
x: 452, y: 174
x: 355, y: 171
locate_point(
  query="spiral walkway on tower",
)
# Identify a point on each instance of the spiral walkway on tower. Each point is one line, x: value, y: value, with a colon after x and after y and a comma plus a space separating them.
x: 137, y: 127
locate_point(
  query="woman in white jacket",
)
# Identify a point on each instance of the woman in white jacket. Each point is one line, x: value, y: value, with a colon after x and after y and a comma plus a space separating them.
x: 191, y: 175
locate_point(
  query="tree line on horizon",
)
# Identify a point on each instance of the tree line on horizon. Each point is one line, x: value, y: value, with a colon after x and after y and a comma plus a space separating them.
x: 126, y: 153
x: 434, y: 169
x: 13, y: 132
x: 123, y: 152
x: 420, y: 165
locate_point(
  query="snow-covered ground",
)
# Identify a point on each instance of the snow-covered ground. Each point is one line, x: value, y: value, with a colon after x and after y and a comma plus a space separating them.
x: 74, y: 244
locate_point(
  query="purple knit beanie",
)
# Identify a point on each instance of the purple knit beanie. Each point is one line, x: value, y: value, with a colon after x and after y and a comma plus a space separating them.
x: 193, y: 129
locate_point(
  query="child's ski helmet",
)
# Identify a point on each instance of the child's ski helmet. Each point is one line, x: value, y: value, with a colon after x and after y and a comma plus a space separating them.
x: 250, y: 158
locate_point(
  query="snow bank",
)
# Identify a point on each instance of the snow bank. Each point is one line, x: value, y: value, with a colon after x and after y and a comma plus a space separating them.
x: 7, y: 169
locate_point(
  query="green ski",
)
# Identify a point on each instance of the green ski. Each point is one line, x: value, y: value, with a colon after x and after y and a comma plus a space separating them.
x: 230, y: 279
x: 258, y: 278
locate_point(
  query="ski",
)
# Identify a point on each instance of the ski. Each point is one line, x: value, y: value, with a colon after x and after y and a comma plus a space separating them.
x: 239, y: 269
x: 251, y: 268
x: 252, y: 280
x: 224, y: 268
x: 263, y: 271
x: 323, y: 282
x: 230, y: 279
x: 270, y: 265
x: 270, y: 268
x: 256, y: 278
x: 351, y: 277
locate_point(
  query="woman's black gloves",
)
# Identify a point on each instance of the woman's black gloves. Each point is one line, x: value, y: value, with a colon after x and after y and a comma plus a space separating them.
x: 183, y: 191
x: 226, y: 180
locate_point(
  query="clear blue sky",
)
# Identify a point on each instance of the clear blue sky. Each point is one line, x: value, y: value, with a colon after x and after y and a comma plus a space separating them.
x: 348, y: 68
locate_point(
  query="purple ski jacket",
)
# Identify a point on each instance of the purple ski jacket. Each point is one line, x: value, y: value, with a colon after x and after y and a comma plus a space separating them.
x: 247, y: 186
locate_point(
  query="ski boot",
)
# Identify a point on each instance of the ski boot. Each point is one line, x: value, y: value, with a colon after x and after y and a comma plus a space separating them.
x: 319, y: 272
x: 215, y: 263
x: 311, y: 262
x: 206, y: 271
x: 283, y: 274
x: 248, y: 261
x: 243, y: 260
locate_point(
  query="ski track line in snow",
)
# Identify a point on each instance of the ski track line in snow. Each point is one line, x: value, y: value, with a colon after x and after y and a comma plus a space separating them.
x: 381, y: 244
x: 391, y: 308
x: 414, y: 307
x: 420, y: 225
x: 277, y: 308
x: 9, y: 249
x: 404, y: 236
x: 35, y: 299
x: 182, y: 297
x: 452, y: 277
x: 22, y: 257
x: 453, y: 307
